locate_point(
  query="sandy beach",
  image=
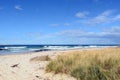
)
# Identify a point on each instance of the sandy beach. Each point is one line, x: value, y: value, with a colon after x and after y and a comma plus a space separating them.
x: 32, y: 66
x: 59, y: 40
x: 19, y: 67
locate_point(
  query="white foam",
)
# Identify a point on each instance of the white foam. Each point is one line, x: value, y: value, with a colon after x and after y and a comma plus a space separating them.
x: 15, y: 47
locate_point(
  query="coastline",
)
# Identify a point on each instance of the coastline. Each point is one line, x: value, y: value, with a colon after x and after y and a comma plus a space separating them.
x: 20, y: 66
x: 49, y: 51
x: 27, y: 70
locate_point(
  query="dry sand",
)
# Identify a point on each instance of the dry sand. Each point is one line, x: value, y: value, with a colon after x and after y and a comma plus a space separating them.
x: 19, y: 67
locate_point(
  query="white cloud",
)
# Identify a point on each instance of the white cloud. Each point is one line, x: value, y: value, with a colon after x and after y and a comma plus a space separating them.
x: 18, y: 7
x: 101, y: 18
x: 82, y: 14
x: 112, y: 34
x: 105, y: 17
x: 117, y: 17
x: 75, y: 33
x: 106, y: 13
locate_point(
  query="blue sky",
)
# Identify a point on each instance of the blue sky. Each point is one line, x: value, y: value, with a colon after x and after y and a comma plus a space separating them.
x: 59, y: 22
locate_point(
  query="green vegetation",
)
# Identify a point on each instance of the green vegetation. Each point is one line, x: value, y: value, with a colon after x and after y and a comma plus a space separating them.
x: 101, y: 64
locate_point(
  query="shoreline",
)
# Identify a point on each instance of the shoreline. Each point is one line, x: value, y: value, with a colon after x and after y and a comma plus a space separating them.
x: 33, y: 52
x: 20, y: 66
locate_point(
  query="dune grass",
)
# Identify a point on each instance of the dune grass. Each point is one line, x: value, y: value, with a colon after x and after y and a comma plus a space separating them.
x: 100, y: 64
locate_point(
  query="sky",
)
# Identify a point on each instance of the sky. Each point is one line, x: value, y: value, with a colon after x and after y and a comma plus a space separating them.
x: 59, y: 22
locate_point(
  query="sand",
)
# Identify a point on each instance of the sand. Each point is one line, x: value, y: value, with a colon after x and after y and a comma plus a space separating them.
x: 19, y: 67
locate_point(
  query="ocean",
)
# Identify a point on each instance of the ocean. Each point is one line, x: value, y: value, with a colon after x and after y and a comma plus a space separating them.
x: 17, y: 49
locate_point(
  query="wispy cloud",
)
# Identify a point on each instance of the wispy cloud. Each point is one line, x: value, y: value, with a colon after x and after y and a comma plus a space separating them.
x: 74, y: 33
x: 82, y: 14
x: 101, y: 18
x: 117, y: 17
x: 104, y: 17
x: 18, y: 7
x: 112, y: 34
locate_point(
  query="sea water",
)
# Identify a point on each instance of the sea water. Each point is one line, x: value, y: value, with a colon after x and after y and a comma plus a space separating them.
x: 12, y: 49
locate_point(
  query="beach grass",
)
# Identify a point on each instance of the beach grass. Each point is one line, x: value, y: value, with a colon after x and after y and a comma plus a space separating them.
x: 99, y: 64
